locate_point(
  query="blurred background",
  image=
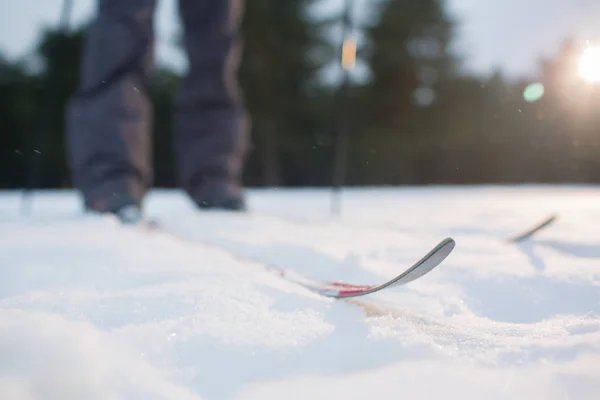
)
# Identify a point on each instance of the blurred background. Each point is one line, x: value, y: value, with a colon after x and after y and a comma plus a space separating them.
x: 439, y: 91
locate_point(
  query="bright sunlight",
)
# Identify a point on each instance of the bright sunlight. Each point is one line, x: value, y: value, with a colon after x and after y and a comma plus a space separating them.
x: 589, y: 64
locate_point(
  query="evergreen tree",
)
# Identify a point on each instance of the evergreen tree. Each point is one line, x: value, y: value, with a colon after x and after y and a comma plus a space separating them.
x: 569, y: 116
x: 32, y: 111
x: 18, y: 108
x: 284, y: 50
x: 408, y: 54
x: 60, y: 53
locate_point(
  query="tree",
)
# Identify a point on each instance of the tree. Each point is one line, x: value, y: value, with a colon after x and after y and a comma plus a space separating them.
x: 568, y: 112
x: 18, y: 107
x: 33, y: 105
x: 408, y: 54
x: 284, y: 49
x: 60, y: 53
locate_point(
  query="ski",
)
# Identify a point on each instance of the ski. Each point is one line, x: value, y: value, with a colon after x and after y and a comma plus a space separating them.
x: 337, y: 289
x: 534, y: 229
x: 342, y: 290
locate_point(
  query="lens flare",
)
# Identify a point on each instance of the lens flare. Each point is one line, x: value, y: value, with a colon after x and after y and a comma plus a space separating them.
x: 589, y: 64
x: 533, y: 92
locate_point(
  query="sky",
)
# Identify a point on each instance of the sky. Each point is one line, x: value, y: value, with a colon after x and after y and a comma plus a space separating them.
x: 509, y: 34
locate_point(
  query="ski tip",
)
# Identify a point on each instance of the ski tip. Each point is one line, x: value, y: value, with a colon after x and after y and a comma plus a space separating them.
x: 427, y: 263
x: 533, y: 230
x: 445, y: 247
x: 448, y: 243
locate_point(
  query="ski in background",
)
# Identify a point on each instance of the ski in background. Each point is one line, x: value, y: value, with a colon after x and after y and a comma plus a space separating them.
x: 533, y: 230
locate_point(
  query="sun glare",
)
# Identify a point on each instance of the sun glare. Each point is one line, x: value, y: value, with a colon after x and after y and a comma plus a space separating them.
x: 589, y: 64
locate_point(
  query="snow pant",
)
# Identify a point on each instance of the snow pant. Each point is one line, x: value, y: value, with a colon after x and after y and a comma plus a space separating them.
x: 109, y: 118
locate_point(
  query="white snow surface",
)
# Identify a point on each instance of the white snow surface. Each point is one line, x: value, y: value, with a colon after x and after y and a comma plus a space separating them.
x: 93, y: 310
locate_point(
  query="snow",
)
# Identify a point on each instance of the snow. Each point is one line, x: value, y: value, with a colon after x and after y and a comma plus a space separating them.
x: 93, y: 310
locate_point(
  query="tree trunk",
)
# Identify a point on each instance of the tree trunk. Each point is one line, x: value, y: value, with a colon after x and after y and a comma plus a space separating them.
x: 271, y: 162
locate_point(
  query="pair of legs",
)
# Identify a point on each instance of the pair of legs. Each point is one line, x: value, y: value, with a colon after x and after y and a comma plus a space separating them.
x: 109, y: 120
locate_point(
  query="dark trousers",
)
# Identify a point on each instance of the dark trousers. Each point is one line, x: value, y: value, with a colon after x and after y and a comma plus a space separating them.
x: 109, y: 118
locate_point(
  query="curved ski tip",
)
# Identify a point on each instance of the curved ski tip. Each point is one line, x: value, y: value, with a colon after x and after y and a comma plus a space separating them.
x: 442, y: 250
x: 447, y: 244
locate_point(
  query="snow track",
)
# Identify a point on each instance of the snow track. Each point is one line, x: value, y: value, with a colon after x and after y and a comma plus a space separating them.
x: 90, y: 309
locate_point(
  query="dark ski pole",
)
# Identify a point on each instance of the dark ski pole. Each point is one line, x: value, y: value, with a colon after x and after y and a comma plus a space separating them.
x: 41, y: 137
x: 341, y: 111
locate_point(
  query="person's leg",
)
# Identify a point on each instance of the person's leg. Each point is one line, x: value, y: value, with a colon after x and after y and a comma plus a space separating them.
x: 109, y: 117
x: 211, y: 132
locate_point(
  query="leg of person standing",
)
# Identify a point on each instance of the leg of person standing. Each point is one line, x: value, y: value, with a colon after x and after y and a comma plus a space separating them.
x: 109, y: 117
x: 211, y: 132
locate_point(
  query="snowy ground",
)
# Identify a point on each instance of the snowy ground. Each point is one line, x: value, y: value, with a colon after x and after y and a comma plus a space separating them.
x: 92, y: 310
